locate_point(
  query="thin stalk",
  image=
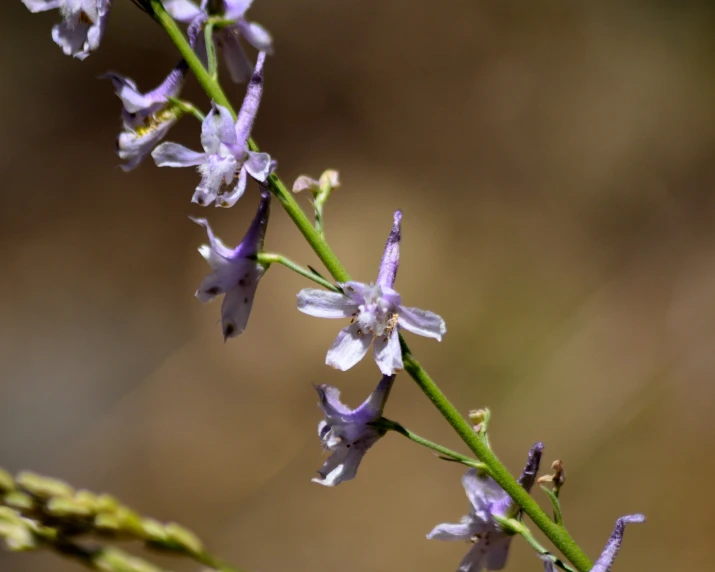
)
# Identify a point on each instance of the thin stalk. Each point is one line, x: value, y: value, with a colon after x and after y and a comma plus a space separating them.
x: 267, y: 258
x: 561, y: 539
x: 444, y: 451
x: 210, y: 49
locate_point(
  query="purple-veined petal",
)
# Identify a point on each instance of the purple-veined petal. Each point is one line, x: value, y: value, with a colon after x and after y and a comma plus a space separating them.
x: 256, y: 35
x: 227, y: 200
x: 217, y: 128
x: 217, y: 251
x: 605, y: 561
x: 251, y: 102
x: 481, y: 490
x: 421, y: 322
x: 239, y: 66
x: 388, y: 355
x: 258, y: 165
x: 325, y: 304
x: 349, y: 347
x: 35, y: 6
x: 182, y: 10
x: 391, y: 255
x: 175, y: 155
x: 237, y: 303
x: 235, y: 9
x: 447, y: 531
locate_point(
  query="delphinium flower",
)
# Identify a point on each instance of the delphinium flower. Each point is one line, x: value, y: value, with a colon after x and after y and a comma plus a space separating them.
x: 147, y: 117
x: 488, y: 499
x: 227, y: 37
x: 376, y: 311
x: 82, y: 26
x: 226, y: 161
x: 236, y: 272
x: 346, y: 433
x: 608, y: 556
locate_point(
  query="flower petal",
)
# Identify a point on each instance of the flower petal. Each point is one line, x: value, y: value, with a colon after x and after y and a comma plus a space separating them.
x: 325, y: 304
x: 305, y: 183
x: 613, y: 545
x: 216, y: 171
x: 388, y: 355
x: 135, y: 143
x: 227, y: 200
x: 175, y: 155
x: 217, y: 253
x: 239, y: 66
x: 237, y: 303
x: 234, y: 9
x: 182, y: 10
x: 251, y: 102
x: 349, y: 347
x: 258, y: 165
x: 333, y: 408
x: 217, y: 128
x: 482, y: 491
x: 474, y: 559
x: 447, y: 531
x: 256, y: 35
x: 421, y: 322
x: 252, y: 242
x: 391, y: 255
x: 372, y: 408
x: 498, y: 550
x: 35, y: 6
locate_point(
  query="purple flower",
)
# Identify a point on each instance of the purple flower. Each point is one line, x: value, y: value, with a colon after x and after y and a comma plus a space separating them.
x: 226, y: 161
x: 227, y: 37
x: 488, y: 499
x: 82, y: 26
x: 235, y: 272
x: 147, y: 117
x: 608, y: 556
x: 346, y: 433
x: 376, y: 311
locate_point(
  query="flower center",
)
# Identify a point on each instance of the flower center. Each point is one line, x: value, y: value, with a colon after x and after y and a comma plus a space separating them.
x: 376, y: 315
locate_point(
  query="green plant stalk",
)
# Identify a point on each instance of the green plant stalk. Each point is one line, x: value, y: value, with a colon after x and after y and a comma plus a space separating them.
x: 561, y: 539
x: 268, y: 258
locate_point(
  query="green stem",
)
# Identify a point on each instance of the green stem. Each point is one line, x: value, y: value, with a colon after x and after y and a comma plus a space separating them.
x: 501, y: 475
x: 561, y: 539
x: 187, y: 107
x: 267, y: 258
x: 390, y: 425
x: 522, y: 530
x: 210, y: 49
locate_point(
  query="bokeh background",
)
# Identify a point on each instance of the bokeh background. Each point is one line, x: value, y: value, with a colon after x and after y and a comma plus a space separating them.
x: 554, y: 162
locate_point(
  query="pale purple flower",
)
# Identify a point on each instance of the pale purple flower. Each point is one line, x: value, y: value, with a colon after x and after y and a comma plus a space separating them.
x: 147, y: 117
x: 346, y: 433
x: 608, y: 556
x: 227, y: 37
x: 236, y: 272
x: 82, y: 26
x: 377, y: 314
x: 490, y: 543
x: 226, y: 161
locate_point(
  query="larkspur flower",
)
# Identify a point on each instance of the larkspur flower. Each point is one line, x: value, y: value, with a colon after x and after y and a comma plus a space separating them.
x: 82, y: 26
x: 236, y: 272
x: 226, y: 161
x: 227, y: 37
x: 147, y: 117
x: 488, y: 499
x: 346, y: 433
x: 376, y: 311
x: 608, y: 556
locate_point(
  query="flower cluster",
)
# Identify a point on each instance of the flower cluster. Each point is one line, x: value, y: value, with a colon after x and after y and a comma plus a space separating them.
x: 375, y: 310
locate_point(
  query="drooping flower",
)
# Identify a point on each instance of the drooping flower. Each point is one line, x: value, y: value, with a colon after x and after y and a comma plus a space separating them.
x: 608, y: 556
x: 226, y: 161
x: 227, y: 37
x: 235, y: 273
x: 346, y: 433
x: 82, y: 26
x: 376, y: 311
x: 490, y: 543
x: 147, y: 117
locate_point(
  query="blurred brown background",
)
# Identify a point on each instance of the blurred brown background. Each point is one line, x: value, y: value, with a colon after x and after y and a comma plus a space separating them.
x: 554, y: 161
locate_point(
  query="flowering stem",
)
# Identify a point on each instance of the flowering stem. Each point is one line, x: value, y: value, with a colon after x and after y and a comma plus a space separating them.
x: 267, y: 258
x: 516, y: 527
x: 317, y: 242
x: 390, y: 425
x: 210, y: 49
